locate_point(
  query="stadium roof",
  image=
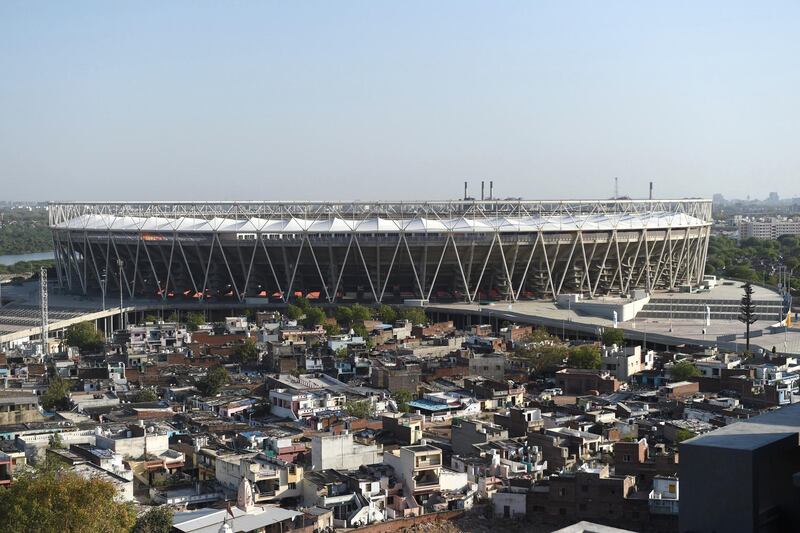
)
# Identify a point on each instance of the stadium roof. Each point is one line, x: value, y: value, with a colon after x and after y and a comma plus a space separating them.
x: 476, y: 224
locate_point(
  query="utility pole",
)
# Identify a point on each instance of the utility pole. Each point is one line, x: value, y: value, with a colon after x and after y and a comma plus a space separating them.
x: 44, y: 305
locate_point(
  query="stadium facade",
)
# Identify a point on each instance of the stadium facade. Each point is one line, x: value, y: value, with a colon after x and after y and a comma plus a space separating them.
x: 470, y: 250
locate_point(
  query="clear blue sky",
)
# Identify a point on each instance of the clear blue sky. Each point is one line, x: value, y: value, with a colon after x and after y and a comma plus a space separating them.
x: 366, y: 100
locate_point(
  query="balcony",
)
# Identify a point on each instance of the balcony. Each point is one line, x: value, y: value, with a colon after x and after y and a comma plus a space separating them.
x: 662, y: 504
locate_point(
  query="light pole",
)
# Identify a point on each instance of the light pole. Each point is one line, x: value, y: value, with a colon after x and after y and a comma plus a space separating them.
x: 121, y: 317
x: 103, y: 283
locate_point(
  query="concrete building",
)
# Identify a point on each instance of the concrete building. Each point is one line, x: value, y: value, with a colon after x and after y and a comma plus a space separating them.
x: 465, y: 433
x: 491, y: 365
x: 134, y: 440
x: 664, y: 497
x: 405, y: 428
x: 743, y: 477
x: 418, y: 467
x: 271, y: 479
x: 581, y: 381
x: 624, y: 361
x: 297, y: 404
x: 769, y: 228
x: 18, y: 408
x: 341, y: 452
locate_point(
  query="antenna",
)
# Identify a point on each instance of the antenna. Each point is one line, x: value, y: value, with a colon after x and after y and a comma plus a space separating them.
x: 616, y: 188
x: 43, y: 302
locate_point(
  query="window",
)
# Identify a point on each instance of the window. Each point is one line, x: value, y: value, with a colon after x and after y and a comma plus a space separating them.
x: 584, y: 488
x: 292, y: 486
x: 562, y: 512
x: 562, y: 491
x: 626, y: 458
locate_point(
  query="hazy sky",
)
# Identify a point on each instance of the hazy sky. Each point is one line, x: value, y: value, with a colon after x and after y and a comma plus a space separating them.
x: 366, y: 100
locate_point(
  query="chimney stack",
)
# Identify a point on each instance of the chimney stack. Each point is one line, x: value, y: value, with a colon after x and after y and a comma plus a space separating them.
x: 651, y: 190
x: 465, y: 191
x: 491, y: 190
x: 483, y: 186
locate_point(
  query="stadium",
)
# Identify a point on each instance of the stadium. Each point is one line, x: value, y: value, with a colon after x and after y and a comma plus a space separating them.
x: 457, y: 251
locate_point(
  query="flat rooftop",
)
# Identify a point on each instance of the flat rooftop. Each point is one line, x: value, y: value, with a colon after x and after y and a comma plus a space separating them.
x: 755, y: 432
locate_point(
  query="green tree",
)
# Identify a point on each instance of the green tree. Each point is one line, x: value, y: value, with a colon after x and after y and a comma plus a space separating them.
x: 683, y: 370
x: 415, y: 315
x: 361, y: 331
x: 344, y: 316
x: 150, y: 318
x: 359, y: 409
x: 55, y: 397
x: 360, y: 313
x: 314, y: 317
x: 85, y: 337
x: 682, y: 435
x: 55, y: 442
x: 613, y: 336
x: 213, y: 381
x: 542, y: 358
x: 402, y: 398
x: 585, y: 356
x: 173, y: 317
x: 51, y: 499
x: 341, y: 353
x: 293, y: 312
x: 246, y: 352
x: 145, y: 395
x: 387, y: 314
x: 194, y: 321
x: 156, y: 520
x: 303, y: 304
x: 331, y: 329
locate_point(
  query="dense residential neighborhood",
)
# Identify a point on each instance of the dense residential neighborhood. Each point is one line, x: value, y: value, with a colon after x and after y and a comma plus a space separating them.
x: 295, y: 420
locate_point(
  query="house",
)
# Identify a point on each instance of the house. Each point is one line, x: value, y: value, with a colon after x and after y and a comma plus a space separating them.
x: 271, y: 479
x: 302, y: 404
x: 419, y: 468
x: 644, y: 463
x: 663, y: 499
x: 491, y: 366
x: 354, y: 501
x: 519, y: 421
x: 19, y: 407
x: 624, y: 361
x: 589, y: 493
x: 405, y: 428
x: 582, y: 381
x: 444, y: 405
x: 467, y: 432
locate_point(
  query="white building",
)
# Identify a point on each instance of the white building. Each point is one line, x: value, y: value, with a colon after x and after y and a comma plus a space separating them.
x: 299, y: 404
x: 272, y: 479
x: 625, y: 361
x: 663, y: 499
x: 342, y: 452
